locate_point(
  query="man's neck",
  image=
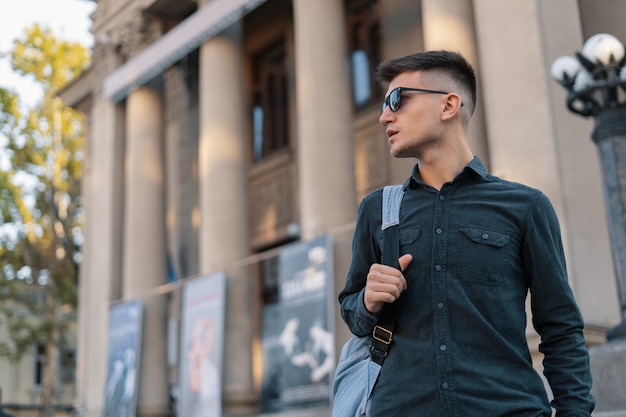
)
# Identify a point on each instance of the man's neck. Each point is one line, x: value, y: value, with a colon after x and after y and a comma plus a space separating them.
x: 438, y: 167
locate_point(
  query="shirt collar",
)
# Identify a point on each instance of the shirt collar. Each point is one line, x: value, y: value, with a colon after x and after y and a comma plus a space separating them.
x: 475, y: 165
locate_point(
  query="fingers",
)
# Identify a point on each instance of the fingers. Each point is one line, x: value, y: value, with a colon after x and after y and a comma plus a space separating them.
x: 405, y: 260
x: 384, y: 284
x: 386, y: 281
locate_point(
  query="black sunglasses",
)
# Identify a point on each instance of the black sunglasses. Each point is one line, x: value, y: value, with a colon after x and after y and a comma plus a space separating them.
x: 394, y: 99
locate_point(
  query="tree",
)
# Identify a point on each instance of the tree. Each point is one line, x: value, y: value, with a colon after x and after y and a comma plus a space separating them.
x: 40, y: 206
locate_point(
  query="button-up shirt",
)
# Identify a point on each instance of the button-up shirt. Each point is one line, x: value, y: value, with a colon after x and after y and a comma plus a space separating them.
x: 480, y: 246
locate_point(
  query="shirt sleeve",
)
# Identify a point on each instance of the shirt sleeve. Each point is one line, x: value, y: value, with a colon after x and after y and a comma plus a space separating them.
x: 365, y: 252
x: 556, y: 316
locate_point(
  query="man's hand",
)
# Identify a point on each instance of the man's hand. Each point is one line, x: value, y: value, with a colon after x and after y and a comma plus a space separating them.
x: 385, y: 284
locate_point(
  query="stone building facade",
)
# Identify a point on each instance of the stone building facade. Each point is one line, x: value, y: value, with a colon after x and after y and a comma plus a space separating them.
x: 222, y: 130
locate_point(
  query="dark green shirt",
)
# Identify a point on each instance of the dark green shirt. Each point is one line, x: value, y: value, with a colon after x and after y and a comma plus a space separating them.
x: 480, y: 245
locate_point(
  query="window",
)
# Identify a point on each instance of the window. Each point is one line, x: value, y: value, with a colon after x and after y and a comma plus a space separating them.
x: 269, y: 107
x: 40, y: 360
x: 68, y: 365
x: 361, y: 78
x: 364, y: 48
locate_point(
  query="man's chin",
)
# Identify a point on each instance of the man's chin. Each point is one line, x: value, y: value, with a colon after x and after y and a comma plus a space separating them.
x: 398, y: 153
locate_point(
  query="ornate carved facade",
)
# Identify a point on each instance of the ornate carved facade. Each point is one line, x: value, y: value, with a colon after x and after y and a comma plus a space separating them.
x: 269, y: 136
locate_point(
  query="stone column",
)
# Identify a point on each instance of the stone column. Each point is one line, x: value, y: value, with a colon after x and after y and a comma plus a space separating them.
x: 327, y: 183
x: 144, y: 264
x: 180, y: 180
x: 449, y: 24
x: 324, y: 113
x: 224, y: 231
x: 541, y: 130
x: 401, y: 34
x: 101, y: 266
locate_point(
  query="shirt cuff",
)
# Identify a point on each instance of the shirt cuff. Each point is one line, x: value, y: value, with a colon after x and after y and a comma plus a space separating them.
x: 367, y: 320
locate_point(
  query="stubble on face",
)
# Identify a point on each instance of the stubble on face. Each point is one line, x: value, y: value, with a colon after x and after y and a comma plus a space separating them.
x: 416, y: 138
x: 417, y: 121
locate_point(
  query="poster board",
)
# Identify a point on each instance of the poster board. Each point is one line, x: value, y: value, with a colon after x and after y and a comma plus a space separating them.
x: 202, y: 346
x: 296, y: 331
x: 125, y: 334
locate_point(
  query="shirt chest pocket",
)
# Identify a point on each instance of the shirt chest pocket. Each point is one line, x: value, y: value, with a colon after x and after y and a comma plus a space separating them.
x: 483, y: 256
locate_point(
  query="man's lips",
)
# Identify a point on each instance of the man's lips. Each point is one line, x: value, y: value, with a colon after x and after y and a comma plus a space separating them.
x: 391, y: 132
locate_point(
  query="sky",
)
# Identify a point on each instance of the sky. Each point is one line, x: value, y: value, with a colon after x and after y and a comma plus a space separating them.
x: 68, y: 19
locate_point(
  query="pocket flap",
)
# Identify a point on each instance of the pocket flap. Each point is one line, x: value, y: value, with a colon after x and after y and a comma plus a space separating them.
x: 486, y: 237
x: 407, y: 237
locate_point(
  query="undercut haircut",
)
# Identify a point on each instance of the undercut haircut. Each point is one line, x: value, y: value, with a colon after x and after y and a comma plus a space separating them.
x: 449, y: 63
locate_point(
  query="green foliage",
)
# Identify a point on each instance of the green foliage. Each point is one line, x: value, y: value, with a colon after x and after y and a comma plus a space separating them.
x: 40, y: 201
x: 51, y: 62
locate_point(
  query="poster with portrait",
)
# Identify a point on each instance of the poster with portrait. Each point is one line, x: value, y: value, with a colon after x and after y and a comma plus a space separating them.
x: 202, y: 345
x: 297, y: 338
x: 125, y: 331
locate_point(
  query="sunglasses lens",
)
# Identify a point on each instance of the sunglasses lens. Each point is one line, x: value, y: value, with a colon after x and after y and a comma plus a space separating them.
x: 394, y: 100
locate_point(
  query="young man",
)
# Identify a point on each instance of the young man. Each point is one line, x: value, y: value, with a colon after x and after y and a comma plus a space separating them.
x: 472, y: 247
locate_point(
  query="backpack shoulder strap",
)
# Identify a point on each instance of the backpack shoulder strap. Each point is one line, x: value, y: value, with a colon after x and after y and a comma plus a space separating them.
x: 392, y: 198
x: 383, y: 331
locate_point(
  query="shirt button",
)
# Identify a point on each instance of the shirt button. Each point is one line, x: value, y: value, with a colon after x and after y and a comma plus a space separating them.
x: 444, y: 385
x: 437, y: 268
x: 443, y: 348
x: 441, y: 198
x: 485, y: 236
x: 438, y: 231
x: 440, y: 306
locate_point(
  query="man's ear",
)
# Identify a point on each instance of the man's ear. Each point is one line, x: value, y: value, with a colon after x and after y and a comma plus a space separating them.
x: 451, y: 106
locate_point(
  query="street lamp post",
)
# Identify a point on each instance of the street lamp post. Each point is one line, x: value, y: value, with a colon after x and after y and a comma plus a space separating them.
x: 595, y: 81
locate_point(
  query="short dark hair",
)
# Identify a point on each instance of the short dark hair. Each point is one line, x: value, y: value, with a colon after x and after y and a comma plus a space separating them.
x: 451, y: 63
